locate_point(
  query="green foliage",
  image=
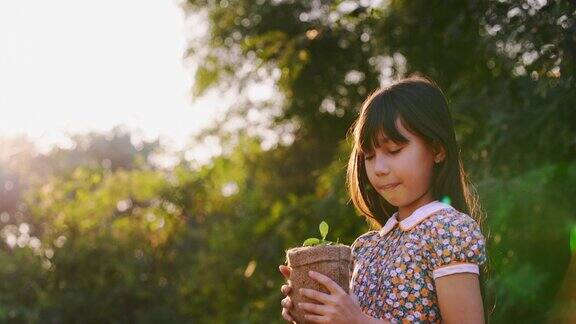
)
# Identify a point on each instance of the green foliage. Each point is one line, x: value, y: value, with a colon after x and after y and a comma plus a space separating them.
x: 529, y: 216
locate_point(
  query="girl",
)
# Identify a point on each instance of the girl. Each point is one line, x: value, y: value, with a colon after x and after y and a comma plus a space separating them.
x: 422, y: 264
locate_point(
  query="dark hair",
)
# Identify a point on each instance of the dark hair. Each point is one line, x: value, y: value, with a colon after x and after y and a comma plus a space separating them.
x: 423, y: 109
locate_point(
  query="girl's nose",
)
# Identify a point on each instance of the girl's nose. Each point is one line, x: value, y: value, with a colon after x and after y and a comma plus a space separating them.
x: 381, y: 167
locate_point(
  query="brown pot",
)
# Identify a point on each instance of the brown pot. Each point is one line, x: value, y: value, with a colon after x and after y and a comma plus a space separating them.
x: 330, y: 260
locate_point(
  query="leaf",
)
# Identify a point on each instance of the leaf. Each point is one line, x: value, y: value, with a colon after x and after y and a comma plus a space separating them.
x: 323, y: 229
x: 311, y: 241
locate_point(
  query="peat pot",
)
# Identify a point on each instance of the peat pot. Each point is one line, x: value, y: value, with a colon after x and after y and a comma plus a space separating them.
x: 332, y: 261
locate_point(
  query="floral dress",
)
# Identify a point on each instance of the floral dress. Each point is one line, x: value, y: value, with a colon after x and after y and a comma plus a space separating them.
x: 393, y: 269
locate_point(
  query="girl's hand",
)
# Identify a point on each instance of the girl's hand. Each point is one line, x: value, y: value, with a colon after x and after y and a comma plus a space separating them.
x: 286, y: 302
x: 337, y: 307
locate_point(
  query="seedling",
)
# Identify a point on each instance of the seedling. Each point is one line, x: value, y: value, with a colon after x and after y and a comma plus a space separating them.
x: 323, y: 232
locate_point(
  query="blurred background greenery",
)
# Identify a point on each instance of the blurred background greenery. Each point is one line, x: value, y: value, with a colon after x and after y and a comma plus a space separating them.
x: 98, y: 232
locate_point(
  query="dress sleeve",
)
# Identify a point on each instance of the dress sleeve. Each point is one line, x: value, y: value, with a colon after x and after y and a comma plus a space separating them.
x: 457, y: 245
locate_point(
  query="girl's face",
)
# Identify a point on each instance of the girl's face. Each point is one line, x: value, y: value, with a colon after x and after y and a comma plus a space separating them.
x: 407, y: 167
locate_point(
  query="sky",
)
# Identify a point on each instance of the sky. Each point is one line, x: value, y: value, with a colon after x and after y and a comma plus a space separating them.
x: 74, y: 66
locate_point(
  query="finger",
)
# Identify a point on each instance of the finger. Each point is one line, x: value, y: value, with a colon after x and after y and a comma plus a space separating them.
x: 316, y: 318
x: 286, y: 315
x: 325, y: 281
x: 285, y: 289
x: 314, y: 308
x: 286, y: 302
x: 285, y: 271
x: 317, y: 295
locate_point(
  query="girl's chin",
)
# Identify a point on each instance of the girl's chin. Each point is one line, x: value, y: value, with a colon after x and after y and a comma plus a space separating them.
x: 392, y: 200
x: 391, y: 196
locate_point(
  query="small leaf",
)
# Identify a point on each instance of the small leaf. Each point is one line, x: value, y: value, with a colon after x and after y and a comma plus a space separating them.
x: 311, y: 241
x: 323, y: 229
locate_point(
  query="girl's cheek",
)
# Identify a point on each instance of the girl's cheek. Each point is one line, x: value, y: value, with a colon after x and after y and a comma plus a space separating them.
x: 368, y: 166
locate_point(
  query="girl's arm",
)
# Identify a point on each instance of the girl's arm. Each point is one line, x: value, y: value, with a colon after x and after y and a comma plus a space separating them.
x: 459, y: 298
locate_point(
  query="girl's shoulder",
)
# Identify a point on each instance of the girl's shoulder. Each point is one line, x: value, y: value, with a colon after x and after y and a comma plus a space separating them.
x: 450, y: 227
x: 450, y: 219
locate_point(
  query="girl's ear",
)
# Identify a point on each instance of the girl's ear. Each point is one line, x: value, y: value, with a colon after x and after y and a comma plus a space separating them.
x: 439, y: 151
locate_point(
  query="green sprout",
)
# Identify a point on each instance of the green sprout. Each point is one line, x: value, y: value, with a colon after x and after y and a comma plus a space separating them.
x: 323, y: 232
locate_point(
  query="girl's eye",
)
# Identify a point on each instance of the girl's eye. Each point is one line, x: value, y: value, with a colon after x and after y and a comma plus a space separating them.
x: 367, y: 157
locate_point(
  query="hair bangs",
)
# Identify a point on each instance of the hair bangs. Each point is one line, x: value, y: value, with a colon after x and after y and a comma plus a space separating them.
x: 379, y: 124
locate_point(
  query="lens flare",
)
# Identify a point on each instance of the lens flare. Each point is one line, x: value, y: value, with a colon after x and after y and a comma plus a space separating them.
x: 447, y: 200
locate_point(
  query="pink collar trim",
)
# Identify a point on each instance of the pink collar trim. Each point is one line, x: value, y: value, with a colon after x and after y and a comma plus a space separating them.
x: 420, y: 214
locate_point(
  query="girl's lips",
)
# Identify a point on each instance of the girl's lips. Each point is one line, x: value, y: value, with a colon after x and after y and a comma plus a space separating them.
x: 388, y: 187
